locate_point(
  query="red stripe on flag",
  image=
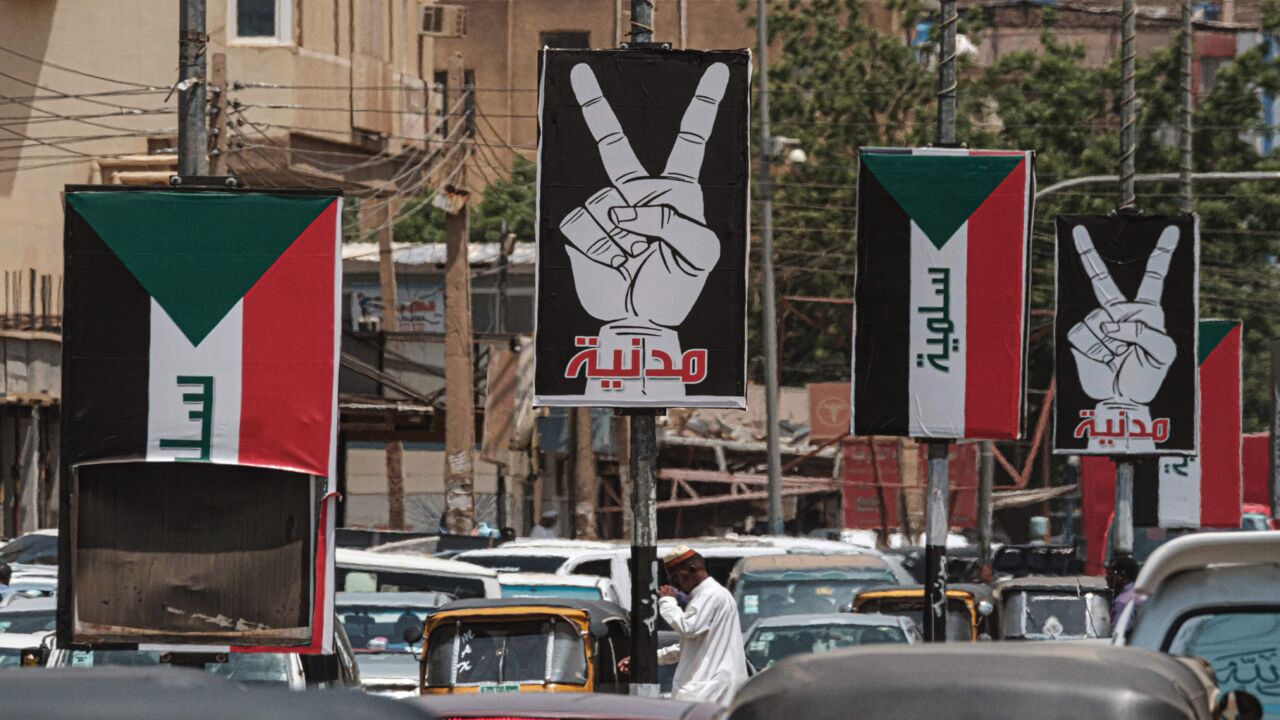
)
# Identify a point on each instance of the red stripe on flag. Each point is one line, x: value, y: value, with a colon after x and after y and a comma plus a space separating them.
x: 994, y: 319
x: 1221, y: 472
x: 286, y: 409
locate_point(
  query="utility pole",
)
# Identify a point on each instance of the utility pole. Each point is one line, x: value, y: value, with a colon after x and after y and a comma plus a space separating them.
x: 459, y: 363
x: 768, y: 293
x: 937, y: 518
x: 1123, y: 535
x: 379, y: 220
x: 218, y: 86
x: 986, y: 481
x: 586, y: 486
x: 1184, y: 91
x: 505, y: 247
x: 644, y: 504
x: 193, y: 134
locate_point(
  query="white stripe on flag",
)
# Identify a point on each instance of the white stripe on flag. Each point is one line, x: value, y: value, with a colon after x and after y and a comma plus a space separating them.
x: 176, y: 412
x: 937, y: 350
x: 1179, y: 492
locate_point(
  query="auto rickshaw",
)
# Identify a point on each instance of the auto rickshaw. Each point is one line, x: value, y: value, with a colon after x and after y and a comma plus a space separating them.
x: 523, y: 645
x: 993, y: 681
x: 1054, y: 608
x: 969, y: 607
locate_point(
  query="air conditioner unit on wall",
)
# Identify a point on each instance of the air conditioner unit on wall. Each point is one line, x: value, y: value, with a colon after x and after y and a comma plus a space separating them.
x: 448, y: 21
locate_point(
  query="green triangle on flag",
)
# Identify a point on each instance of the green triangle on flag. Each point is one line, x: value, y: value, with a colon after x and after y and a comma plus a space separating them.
x: 1212, y: 333
x: 939, y: 192
x: 197, y: 253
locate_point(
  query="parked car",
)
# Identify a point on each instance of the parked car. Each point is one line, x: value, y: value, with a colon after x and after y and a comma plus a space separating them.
x: 375, y: 624
x: 365, y: 571
x: 553, y: 706
x: 1216, y: 596
x: 969, y: 608
x: 779, y: 638
x: 767, y: 586
x: 535, y: 585
x: 524, y: 645
x: 560, y: 557
x: 1053, y: 608
x: 992, y: 681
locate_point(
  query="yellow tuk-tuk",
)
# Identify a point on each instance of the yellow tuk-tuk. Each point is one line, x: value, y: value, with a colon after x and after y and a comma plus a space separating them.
x: 524, y: 645
x: 969, y: 607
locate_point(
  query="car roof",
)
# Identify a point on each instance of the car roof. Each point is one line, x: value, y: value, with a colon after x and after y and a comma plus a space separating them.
x: 532, y: 578
x: 819, y: 619
x: 18, y: 603
x: 598, y: 611
x: 994, y: 681
x: 122, y: 693
x: 347, y: 557
x: 427, y: 599
x: 550, y: 549
x: 1079, y: 583
x: 17, y: 641
x: 1200, y: 551
x: 562, y: 705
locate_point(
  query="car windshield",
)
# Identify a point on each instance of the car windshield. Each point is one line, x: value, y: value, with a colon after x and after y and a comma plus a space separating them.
x: 397, y: 665
x: 10, y: 657
x: 518, y: 563
x: 31, y: 550
x: 254, y: 668
x: 1244, y: 649
x: 769, y: 645
x: 489, y: 652
x: 959, y: 622
x: 560, y: 591
x: 31, y: 621
x: 361, y: 580
x: 373, y: 627
x: 761, y: 599
x: 1051, y: 616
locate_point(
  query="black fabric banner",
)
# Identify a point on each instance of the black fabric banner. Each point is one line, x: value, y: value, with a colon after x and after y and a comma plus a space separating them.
x: 643, y: 171
x: 1126, y: 335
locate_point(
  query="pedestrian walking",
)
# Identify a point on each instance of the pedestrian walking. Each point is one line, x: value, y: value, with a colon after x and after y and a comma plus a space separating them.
x: 1122, y: 572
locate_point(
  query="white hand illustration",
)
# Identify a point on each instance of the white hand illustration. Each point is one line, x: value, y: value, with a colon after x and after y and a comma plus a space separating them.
x: 1121, y: 349
x: 640, y: 249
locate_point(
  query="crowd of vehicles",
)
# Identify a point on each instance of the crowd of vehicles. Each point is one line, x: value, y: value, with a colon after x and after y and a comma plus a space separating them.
x: 522, y: 629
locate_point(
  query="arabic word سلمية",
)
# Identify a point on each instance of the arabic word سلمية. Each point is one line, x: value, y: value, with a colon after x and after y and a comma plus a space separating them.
x: 1121, y: 427
x: 938, y: 324
x: 614, y: 369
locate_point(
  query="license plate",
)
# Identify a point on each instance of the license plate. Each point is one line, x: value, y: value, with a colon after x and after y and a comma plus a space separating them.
x: 503, y: 688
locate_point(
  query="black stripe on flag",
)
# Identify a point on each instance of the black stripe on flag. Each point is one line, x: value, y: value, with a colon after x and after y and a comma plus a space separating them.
x: 882, y: 306
x: 106, y: 342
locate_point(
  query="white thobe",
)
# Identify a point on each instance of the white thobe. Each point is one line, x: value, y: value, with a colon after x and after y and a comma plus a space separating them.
x: 712, y: 660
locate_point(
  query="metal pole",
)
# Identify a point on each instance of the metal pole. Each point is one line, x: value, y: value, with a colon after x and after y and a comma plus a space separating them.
x: 193, y: 132
x: 770, y: 323
x: 1184, y: 88
x: 1128, y: 28
x: 947, y: 76
x: 1123, y: 533
x: 986, y: 482
x: 1124, y: 467
x: 935, y: 544
x: 644, y: 460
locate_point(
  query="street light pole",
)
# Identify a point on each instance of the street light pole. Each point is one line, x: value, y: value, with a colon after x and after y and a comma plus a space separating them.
x: 767, y: 291
x: 193, y: 132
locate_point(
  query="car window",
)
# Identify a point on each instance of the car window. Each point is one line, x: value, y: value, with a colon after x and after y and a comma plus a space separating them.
x: 769, y: 645
x: 252, y: 668
x: 350, y: 580
x: 489, y: 652
x: 10, y: 657
x: 599, y: 568
x: 516, y: 563
x: 561, y: 591
x: 32, y: 550
x: 379, y: 628
x: 28, y: 622
x: 1243, y: 647
x: 761, y: 599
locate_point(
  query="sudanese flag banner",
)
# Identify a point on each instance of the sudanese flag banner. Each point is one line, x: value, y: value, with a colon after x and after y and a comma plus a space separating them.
x: 202, y: 326
x: 940, y: 293
x: 1125, y: 335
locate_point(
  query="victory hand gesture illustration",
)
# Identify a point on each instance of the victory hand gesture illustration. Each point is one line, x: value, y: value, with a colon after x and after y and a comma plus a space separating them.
x: 640, y: 248
x: 1122, y: 351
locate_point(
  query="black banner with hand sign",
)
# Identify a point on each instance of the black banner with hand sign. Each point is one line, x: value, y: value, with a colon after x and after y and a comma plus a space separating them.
x: 1126, y: 335
x: 643, y: 177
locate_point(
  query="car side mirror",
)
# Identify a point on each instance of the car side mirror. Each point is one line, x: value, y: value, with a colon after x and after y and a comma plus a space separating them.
x: 412, y: 634
x: 1238, y: 705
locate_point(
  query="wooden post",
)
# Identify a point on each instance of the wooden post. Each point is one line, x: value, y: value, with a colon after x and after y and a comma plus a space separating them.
x: 459, y: 363
x: 375, y: 216
x: 587, y: 487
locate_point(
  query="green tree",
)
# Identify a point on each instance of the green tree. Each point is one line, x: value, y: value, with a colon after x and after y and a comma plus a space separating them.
x: 510, y: 200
